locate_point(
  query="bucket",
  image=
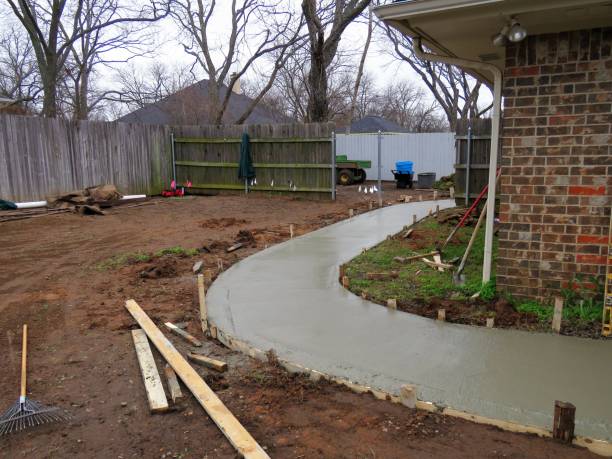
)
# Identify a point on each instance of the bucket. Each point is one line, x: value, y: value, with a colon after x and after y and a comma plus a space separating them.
x: 405, y: 167
x: 426, y: 179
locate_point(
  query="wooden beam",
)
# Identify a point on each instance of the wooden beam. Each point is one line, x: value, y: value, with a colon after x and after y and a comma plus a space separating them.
x: 215, y: 364
x: 237, y: 435
x: 262, y: 140
x: 202, y: 301
x: 152, y: 382
x: 563, y: 422
x: 225, y: 186
x: 183, y: 334
x: 173, y: 384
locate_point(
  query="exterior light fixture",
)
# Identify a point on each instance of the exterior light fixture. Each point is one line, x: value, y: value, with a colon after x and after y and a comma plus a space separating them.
x: 513, y: 32
x: 517, y: 32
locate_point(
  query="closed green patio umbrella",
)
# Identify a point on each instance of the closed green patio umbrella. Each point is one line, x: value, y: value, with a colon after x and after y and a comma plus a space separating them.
x: 246, y: 170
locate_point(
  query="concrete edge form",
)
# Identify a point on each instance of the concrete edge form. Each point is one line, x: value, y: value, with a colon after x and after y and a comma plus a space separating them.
x: 599, y: 447
x: 288, y: 298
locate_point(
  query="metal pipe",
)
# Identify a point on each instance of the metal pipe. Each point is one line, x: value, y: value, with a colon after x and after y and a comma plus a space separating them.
x: 495, y: 121
x: 467, y: 164
x: 380, y: 203
x: 173, y: 158
x: 333, y: 162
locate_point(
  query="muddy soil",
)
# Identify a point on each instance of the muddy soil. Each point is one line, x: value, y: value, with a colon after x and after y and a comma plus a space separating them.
x: 81, y: 355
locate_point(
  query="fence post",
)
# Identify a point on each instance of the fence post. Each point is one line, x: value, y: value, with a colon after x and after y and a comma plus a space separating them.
x: 173, y: 158
x: 379, y: 170
x: 467, y: 163
x: 333, y: 163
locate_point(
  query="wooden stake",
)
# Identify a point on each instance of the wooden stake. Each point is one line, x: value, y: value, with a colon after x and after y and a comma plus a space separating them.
x: 452, y: 192
x: 345, y: 281
x: 438, y: 259
x: 435, y: 195
x: 408, y: 395
x: 291, y: 231
x: 557, y: 314
x: 183, y: 334
x: 442, y: 314
x: 173, y: 384
x: 406, y: 199
x: 152, y: 382
x: 364, y: 294
x: 563, y: 421
x: 490, y: 322
x: 414, y: 219
x: 370, y: 205
x: 217, y: 365
x: 202, y: 300
x: 429, y: 212
x: 235, y: 247
x: 437, y: 209
x: 237, y: 435
x: 351, y: 213
x: 392, y: 303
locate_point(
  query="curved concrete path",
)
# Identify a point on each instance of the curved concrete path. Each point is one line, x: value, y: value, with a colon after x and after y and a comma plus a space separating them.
x: 288, y: 298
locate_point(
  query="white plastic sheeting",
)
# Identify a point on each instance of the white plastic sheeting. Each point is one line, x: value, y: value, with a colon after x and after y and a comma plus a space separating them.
x: 433, y: 152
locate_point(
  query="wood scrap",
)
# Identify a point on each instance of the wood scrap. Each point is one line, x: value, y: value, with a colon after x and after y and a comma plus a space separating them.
x: 152, y: 382
x: 414, y: 257
x: 433, y: 264
x: 183, y: 334
x: 235, y: 247
x: 202, y: 302
x: 407, y: 234
x: 237, y: 435
x: 173, y: 385
x: 215, y: 364
x: 438, y: 259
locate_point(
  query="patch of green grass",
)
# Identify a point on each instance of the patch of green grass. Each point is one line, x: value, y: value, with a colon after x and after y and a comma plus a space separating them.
x: 123, y: 259
x: 416, y: 280
x: 177, y: 250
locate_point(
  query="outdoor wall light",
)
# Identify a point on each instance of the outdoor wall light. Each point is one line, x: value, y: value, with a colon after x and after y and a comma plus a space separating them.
x: 513, y: 32
x: 517, y: 32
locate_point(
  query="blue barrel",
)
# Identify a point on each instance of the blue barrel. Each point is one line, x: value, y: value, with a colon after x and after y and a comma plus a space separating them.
x: 404, y: 167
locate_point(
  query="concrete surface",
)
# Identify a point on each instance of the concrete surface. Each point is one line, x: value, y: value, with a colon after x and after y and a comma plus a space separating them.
x: 288, y: 298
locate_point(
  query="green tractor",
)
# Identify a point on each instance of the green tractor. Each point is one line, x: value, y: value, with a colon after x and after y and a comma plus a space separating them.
x: 349, y: 171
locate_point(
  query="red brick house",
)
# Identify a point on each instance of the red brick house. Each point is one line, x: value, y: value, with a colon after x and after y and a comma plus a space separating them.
x: 555, y: 134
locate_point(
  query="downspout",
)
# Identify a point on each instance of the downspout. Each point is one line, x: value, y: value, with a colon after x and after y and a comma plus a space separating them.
x: 495, y: 122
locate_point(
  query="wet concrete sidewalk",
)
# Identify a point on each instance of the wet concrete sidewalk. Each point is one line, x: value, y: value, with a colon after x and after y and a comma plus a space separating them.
x: 288, y: 298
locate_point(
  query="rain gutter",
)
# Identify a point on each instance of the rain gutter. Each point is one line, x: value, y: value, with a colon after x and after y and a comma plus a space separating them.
x: 495, y: 124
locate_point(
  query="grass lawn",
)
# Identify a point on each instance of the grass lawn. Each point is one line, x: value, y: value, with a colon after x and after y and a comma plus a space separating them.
x: 417, y: 280
x: 421, y: 289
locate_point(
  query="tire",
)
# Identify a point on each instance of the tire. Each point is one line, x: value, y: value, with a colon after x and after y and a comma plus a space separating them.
x: 346, y: 177
x: 362, y: 176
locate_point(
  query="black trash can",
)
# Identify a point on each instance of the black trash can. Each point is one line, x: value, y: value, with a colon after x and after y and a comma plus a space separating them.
x: 426, y: 179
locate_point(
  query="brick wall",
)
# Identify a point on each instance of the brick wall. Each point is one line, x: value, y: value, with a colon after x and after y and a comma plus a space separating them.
x: 556, y: 179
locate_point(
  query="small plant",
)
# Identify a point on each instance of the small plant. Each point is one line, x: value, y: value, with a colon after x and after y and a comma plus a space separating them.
x: 178, y: 250
x: 488, y: 291
x: 543, y: 312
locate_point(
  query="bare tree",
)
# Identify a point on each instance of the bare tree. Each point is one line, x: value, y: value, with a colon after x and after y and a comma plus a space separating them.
x: 454, y: 90
x: 45, y: 21
x: 94, y: 49
x: 137, y: 89
x: 326, y: 21
x: 261, y: 27
x: 19, y: 78
x: 359, y: 76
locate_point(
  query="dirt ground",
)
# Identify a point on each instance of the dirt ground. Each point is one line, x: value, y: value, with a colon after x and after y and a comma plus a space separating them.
x: 56, y: 277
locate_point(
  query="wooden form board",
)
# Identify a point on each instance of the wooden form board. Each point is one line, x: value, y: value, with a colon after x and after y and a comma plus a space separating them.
x: 150, y: 375
x: 217, y: 365
x: 183, y: 334
x: 237, y: 435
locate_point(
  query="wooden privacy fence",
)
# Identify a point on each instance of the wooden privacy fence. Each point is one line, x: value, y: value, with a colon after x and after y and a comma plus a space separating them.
x: 41, y: 157
x: 473, y: 148
x: 290, y: 158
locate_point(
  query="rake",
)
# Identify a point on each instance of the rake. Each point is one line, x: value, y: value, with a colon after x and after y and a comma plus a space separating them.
x: 26, y: 413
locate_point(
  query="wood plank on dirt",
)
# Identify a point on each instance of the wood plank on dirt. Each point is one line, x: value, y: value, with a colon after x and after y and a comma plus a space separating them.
x: 183, y: 334
x: 173, y: 384
x: 237, y: 435
x: 152, y: 382
x: 215, y: 364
